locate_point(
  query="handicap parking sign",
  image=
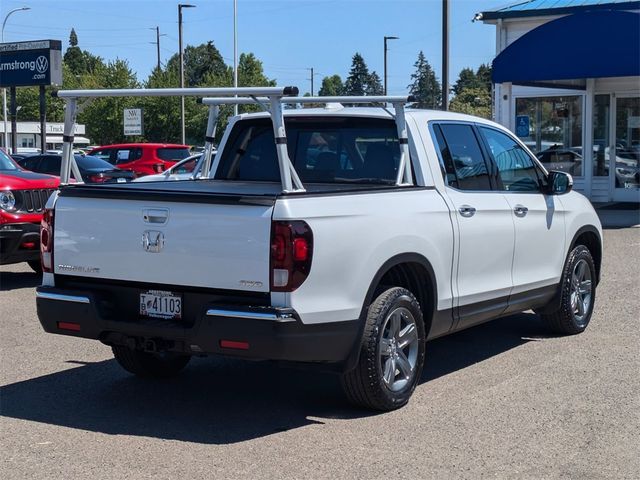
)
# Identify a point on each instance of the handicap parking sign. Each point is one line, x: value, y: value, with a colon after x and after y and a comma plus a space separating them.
x: 522, y: 125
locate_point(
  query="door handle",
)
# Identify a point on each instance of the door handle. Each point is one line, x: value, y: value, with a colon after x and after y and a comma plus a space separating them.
x: 467, y: 211
x: 520, y: 210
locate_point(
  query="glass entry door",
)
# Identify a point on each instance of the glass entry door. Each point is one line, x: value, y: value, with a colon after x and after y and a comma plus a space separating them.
x: 625, y: 142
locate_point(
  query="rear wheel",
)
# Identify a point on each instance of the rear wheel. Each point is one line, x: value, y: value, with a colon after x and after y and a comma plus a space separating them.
x: 578, y: 293
x: 392, y: 353
x: 150, y: 365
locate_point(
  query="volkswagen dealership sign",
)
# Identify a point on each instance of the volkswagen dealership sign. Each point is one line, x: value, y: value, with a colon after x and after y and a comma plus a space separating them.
x: 25, y: 64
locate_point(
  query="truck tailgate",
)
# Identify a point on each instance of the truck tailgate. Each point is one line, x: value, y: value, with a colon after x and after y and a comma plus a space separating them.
x: 209, y: 243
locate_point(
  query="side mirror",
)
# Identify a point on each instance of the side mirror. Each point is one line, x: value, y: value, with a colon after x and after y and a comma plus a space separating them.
x: 559, y: 182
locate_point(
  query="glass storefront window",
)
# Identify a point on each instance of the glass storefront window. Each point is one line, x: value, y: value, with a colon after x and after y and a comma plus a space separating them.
x: 601, y: 106
x: 627, y: 142
x: 554, y: 131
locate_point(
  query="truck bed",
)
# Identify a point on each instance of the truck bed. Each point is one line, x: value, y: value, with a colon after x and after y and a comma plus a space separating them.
x: 219, y: 191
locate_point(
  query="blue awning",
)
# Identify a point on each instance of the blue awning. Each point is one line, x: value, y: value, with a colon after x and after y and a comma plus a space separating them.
x: 584, y: 45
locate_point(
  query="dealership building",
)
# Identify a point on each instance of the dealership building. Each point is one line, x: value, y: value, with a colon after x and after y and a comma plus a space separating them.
x: 29, y: 134
x: 567, y: 82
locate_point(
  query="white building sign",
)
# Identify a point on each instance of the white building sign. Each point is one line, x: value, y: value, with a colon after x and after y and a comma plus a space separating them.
x: 133, y: 121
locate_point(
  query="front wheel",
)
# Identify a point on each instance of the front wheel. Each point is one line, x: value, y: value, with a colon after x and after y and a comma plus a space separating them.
x: 577, y: 294
x: 149, y: 365
x: 392, y: 353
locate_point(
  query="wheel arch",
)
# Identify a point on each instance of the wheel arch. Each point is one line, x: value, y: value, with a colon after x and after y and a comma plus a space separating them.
x: 589, y: 236
x: 409, y: 270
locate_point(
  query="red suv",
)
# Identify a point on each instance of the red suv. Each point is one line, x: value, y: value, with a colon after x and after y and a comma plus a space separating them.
x: 23, y: 196
x: 142, y: 158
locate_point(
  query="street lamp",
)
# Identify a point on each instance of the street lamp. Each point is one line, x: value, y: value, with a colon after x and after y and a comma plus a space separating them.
x: 4, y: 90
x: 235, y: 51
x: 180, y: 7
x: 385, y: 60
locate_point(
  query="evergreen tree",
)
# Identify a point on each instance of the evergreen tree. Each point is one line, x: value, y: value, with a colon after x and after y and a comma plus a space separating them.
x: 331, y: 86
x: 425, y: 86
x: 374, y: 85
x: 358, y: 79
x: 73, y: 57
x: 466, y: 79
x: 484, y: 76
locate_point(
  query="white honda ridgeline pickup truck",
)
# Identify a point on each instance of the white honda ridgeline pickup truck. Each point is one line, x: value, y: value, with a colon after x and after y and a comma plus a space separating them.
x: 343, y: 237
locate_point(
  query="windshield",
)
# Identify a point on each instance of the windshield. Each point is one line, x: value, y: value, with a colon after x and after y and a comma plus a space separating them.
x: 173, y: 154
x: 323, y: 150
x: 6, y: 163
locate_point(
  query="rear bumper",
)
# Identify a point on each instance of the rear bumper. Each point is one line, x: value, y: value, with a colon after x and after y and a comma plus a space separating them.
x: 237, y: 330
x: 13, y: 237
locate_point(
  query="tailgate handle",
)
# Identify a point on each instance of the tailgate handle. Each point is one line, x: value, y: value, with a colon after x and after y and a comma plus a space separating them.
x: 155, y: 215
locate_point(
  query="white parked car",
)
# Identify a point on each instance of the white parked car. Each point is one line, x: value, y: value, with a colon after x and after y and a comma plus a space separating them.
x: 183, y: 170
x: 347, y: 241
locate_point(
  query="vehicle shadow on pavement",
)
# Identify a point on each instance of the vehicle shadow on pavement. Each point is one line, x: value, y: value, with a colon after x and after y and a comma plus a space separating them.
x: 16, y: 280
x: 223, y: 401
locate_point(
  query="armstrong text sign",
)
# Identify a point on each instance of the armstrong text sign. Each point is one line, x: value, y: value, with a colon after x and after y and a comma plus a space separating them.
x: 25, y: 64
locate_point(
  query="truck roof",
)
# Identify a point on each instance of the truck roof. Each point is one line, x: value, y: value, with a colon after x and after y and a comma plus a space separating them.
x: 372, y: 112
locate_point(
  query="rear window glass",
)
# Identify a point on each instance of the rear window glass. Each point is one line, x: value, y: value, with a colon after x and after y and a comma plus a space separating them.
x: 173, y: 154
x: 327, y: 150
x: 92, y: 162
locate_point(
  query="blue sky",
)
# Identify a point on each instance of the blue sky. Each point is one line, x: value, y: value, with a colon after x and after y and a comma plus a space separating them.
x: 289, y: 36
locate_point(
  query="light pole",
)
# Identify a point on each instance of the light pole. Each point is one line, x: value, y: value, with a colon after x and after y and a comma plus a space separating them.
x: 4, y: 90
x: 445, y: 55
x: 385, y: 60
x: 180, y: 7
x: 235, y: 50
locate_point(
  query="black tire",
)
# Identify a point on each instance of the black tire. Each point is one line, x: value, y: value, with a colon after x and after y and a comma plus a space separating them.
x: 365, y: 385
x: 572, y: 318
x: 35, y: 265
x: 150, y: 365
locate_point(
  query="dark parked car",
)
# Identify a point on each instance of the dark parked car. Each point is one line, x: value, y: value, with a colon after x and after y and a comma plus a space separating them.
x: 92, y: 169
x: 19, y: 157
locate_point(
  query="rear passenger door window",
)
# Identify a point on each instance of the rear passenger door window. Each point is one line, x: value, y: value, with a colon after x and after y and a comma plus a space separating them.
x: 516, y: 169
x: 461, y: 154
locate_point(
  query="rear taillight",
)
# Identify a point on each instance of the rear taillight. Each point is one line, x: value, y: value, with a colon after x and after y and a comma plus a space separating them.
x: 98, y: 178
x: 46, y: 241
x: 291, y: 252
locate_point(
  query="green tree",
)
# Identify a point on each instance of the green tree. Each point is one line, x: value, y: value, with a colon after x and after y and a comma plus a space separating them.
x: 331, y: 86
x: 424, y: 85
x: 374, y: 85
x: 358, y: 80
x: 199, y: 61
x: 251, y: 73
x: 162, y: 114
x: 483, y: 74
x: 104, y: 116
x: 73, y: 57
x: 472, y: 101
x: 466, y: 79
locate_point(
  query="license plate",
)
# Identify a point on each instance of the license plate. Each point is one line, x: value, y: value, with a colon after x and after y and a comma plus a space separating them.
x: 121, y: 180
x: 161, y: 304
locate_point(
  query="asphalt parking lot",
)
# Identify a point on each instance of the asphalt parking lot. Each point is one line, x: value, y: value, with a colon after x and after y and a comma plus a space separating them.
x: 502, y: 400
